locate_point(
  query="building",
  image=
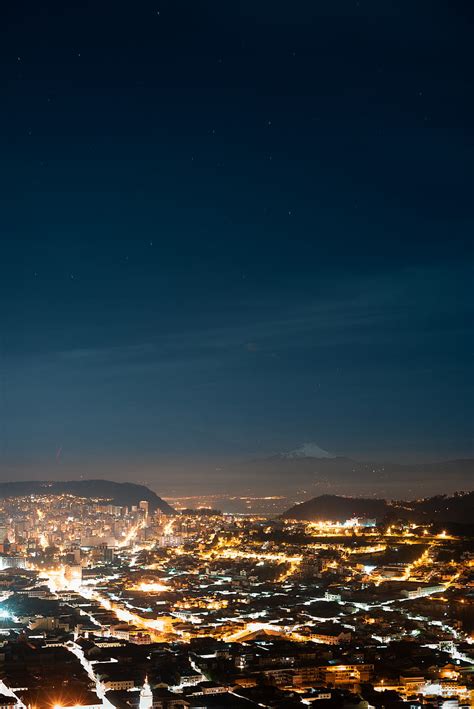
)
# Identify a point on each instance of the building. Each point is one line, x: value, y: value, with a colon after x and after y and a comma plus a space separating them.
x: 345, y: 675
x: 12, y: 562
x: 73, y: 573
x: 424, y: 591
x: 146, y: 696
x: 8, y: 702
x: 328, y: 636
x: 144, y: 506
x: 328, y: 596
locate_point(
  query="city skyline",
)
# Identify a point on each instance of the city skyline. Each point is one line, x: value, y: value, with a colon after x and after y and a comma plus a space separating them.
x: 111, y: 600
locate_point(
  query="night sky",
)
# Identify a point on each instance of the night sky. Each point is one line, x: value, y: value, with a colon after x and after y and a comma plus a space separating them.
x: 229, y: 228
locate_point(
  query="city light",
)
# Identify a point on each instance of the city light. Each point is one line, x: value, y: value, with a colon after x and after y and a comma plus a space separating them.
x: 238, y: 580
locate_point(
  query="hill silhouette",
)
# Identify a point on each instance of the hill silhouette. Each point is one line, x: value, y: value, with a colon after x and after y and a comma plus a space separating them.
x: 123, y: 494
x: 455, y: 509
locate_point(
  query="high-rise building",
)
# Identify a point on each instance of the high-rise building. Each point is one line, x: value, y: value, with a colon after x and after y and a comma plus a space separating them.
x: 143, y: 505
x: 73, y: 573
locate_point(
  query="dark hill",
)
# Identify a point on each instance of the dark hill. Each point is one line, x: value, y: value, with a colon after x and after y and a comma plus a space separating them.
x: 338, y: 509
x: 118, y: 493
x: 456, y: 509
x: 443, y: 508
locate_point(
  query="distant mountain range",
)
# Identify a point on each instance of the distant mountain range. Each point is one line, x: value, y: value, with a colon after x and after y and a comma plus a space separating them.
x: 123, y: 494
x: 302, y: 473
x: 442, y: 509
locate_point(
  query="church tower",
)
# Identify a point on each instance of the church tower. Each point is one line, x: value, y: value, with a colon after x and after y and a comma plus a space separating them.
x: 146, y: 696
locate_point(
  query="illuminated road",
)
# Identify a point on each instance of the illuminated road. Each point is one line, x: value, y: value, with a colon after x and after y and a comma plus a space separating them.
x: 131, y: 534
x: 88, y: 667
x: 159, y: 629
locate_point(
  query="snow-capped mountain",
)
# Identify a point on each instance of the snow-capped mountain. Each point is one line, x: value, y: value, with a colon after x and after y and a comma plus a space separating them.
x: 307, y: 450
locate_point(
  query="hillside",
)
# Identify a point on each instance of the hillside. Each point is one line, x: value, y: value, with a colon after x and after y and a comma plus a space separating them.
x: 458, y: 509
x: 337, y: 508
x: 117, y: 493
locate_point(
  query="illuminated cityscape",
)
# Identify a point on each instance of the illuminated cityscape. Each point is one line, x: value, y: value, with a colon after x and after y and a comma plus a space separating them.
x: 113, y: 606
x: 236, y: 371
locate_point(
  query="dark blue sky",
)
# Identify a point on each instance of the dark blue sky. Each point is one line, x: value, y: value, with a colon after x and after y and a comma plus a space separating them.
x: 229, y: 228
